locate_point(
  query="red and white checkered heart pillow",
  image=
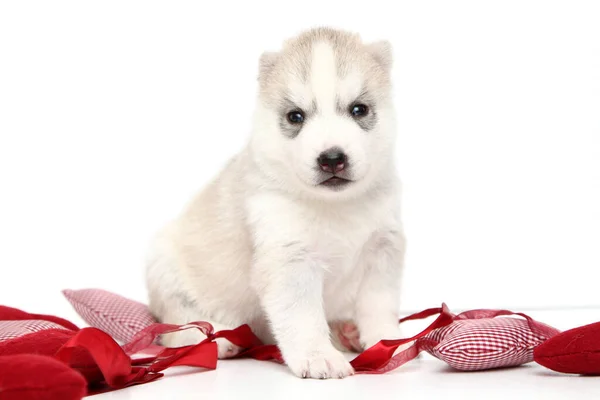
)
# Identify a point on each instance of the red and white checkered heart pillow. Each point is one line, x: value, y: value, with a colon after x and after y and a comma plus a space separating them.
x: 13, y: 329
x: 15, y: 323
x: 477, y: 340
x: 119, y: 317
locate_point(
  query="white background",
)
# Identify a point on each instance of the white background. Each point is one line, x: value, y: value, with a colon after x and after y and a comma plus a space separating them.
x: 114, y: 113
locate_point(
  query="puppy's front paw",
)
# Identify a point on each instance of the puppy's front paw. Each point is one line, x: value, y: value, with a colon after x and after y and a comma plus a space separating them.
x: 320, y: 364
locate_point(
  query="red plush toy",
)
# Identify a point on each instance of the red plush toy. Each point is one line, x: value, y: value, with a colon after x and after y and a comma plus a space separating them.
x: 34, y: 377
x: 47, y: 343
x: 576, y: 351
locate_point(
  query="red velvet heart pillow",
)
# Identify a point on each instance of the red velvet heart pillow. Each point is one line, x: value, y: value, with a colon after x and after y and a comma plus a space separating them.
x: 47, y: 343
x: 576, y: 351
x: 34, y: 377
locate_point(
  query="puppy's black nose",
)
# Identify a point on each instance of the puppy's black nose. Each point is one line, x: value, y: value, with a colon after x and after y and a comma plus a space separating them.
x: 332, y: 160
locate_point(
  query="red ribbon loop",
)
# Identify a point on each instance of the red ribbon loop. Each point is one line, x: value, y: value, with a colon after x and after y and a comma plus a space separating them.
x: 535, y: 326
x: 119, y: 370
x: 380, y: 358
x: 108, y: 356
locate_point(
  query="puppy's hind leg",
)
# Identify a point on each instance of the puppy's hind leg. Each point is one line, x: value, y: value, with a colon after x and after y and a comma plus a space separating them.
x: 171, y: 303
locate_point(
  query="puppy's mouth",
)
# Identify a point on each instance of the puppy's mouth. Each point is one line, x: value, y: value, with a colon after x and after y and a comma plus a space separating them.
x: 335, y: 182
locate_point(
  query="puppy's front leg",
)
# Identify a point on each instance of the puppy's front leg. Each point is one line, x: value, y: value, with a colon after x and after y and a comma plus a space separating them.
x: 289, y: 282
x: 377, y: 303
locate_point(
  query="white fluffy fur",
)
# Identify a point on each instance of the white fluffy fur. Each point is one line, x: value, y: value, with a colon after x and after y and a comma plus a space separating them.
x: 264, y: 244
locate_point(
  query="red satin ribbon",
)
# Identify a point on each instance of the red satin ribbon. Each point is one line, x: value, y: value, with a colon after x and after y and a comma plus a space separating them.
x: 535, y: 326
x: 120, y: 370
x: 380, y: 358
x: 116, y: 366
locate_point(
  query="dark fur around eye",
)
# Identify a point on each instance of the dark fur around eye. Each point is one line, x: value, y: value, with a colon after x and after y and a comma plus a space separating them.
x: 364, y: 116
x: 292, y: 122
x: 293, y: 117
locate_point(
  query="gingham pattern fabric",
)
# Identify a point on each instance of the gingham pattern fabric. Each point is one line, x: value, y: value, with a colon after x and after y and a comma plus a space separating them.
x: 119, y: 317
x: 478, y: 344
x: 13, y: 329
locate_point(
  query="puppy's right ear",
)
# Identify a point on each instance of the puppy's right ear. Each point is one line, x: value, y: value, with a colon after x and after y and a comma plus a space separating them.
x: 382, y: 53
x: 267, y: 62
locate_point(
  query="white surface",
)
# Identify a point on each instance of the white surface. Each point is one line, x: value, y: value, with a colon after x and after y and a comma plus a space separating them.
x: 113, y: 113
x: 425, y: 378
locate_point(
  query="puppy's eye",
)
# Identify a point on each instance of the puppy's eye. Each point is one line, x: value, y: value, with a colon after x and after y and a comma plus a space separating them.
x: 295, y: 117
x: 359, y: 110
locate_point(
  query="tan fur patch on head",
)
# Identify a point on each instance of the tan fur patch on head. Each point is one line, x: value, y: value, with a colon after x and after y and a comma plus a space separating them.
x: 291, y: 67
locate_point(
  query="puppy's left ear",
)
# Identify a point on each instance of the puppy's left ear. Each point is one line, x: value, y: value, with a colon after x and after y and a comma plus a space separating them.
x: 382, y: 53
x: 266, y: 64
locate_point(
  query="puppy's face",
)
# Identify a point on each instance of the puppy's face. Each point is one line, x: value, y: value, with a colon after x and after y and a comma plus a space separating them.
x: 325, y: 124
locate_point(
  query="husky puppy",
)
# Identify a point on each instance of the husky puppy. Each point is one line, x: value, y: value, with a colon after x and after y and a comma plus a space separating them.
x: 300, y: 232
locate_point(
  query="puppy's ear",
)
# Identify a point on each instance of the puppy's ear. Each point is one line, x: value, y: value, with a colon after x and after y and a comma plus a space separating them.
x: 382, y: 53
x: 266, y: 63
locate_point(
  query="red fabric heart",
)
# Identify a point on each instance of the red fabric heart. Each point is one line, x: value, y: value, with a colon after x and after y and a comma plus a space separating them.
x: 481, y: 339
x: 116, y: 315
x: 576, y: 351
x: 48, y: 343
x: 472, y: 341
x: 35, y: 377
x: 43, y: 343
